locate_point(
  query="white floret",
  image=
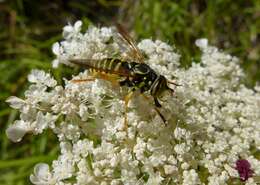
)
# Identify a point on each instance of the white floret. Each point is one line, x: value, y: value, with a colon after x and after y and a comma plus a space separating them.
x: 213, y: 119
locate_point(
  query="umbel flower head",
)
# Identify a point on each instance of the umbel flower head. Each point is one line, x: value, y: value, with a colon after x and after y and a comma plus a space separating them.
x: 213, y: 119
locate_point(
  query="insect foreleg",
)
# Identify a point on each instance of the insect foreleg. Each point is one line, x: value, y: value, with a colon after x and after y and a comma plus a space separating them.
x: 157, y: 110
x: 156, y: 102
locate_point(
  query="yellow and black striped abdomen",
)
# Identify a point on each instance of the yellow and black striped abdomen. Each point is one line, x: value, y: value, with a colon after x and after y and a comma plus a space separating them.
x: 108, y: 65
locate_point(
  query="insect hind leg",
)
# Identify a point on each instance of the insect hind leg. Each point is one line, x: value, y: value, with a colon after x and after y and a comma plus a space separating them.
x: 127, y: 99
x: 83, y: 80
x: 87, y: 79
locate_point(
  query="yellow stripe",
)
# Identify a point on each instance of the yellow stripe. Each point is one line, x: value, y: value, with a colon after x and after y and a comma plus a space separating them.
x: 99, y: 64
x: 110, y: 64
x: 118, y: 65
x: 106, y: 64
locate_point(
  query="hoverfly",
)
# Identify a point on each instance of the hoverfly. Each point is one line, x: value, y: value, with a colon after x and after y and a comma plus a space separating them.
x: 133, y: 73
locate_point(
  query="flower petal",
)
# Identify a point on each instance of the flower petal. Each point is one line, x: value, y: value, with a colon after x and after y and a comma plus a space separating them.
x: 15, y: 102
x: 41, y: 170
x: 77, y: 26
x: 201, y: 43
x: 56, y: 48
x: 16, y: 131
x: 42, y: 175
x: 55, y: 63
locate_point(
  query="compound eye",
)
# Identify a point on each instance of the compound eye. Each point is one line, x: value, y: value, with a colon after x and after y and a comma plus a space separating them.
x: 141, y: 69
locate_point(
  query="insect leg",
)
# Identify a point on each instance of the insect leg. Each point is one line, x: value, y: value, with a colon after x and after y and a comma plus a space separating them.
x: 126, y: 82
x: 157, y: 110
x: 171, y: 82
x: 83, y: 80
x: 108, y: 77
x: 87, y: 79
x: 156, y: 102
x: 127, y: 99
x: 160, y: 114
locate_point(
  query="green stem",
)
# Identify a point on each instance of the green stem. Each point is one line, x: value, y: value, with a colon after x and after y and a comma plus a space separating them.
x: 26, y: 161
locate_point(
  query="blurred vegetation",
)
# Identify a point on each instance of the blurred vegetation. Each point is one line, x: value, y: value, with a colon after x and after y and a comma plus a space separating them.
x: 29, y: 28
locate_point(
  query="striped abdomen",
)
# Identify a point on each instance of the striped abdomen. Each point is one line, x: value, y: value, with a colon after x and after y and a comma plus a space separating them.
x: 108, y: 65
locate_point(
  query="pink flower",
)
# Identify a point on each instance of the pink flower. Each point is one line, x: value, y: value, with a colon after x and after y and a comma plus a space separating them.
x: 244, y: 169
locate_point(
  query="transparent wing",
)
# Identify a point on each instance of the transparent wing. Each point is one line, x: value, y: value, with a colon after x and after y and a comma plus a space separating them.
x: 137, y: 54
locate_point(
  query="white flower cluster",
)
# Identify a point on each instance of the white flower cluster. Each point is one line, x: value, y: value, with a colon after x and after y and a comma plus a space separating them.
x: 213, y: 119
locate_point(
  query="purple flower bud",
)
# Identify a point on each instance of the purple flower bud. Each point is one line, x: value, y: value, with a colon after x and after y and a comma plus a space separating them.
x: 244, y: 169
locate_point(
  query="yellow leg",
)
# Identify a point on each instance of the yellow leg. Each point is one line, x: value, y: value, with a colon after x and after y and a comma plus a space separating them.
x: 83, y: 80
x: 127, y: 99
x: 113, y: 79
x: 157, y: 110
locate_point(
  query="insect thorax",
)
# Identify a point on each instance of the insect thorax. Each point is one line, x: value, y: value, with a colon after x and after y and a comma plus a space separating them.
x: 141, y: 77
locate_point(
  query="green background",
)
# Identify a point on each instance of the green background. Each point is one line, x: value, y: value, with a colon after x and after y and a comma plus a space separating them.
x: 29, y: 28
